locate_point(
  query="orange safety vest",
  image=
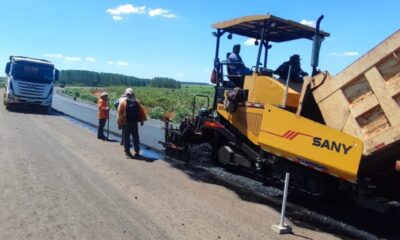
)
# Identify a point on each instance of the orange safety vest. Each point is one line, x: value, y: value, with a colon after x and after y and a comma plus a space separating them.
x: 121, y: 119
x: 103, y: 112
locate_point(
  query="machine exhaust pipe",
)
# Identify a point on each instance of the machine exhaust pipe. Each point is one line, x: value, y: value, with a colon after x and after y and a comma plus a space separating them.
x: 317, y: 39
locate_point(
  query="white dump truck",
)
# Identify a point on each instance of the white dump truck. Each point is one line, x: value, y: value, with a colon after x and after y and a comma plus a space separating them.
x: 30, y: 82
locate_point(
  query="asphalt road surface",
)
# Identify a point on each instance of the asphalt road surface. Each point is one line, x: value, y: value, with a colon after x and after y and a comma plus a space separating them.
x: 150, y: 133
x: 57, y: 181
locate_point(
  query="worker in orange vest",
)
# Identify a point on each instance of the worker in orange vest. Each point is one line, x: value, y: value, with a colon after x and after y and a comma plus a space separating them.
x: 130, y: 113
x: 103, y: 114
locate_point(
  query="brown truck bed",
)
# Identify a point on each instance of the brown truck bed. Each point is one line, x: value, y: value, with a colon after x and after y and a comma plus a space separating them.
x: 364, y: 99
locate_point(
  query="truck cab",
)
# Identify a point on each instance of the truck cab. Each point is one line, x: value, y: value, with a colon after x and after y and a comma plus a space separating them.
x: 29, y: 82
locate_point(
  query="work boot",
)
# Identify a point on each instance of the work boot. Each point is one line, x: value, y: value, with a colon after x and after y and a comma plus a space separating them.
x: 128, y: 154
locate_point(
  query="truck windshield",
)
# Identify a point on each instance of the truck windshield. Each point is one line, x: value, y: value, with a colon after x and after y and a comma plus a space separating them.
x: 33, y: 73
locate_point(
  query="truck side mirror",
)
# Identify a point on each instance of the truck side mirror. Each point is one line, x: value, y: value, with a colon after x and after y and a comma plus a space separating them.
x: 8, y: 67
x: 56, y: 75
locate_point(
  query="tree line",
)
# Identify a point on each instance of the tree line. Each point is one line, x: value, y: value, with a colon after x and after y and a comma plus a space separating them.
x: 96, y: 79
x: 162, y: 82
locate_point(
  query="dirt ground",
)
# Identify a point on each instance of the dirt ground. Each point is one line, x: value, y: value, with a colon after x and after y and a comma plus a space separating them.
x: 57, y: 181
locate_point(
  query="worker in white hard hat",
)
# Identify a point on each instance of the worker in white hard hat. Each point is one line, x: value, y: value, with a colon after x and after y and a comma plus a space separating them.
x: 130, y: 113
x: 116, y: 105
x: 102, y: 104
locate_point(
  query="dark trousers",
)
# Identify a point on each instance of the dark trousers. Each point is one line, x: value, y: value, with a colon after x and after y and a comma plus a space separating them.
x: 100, y: 130
x: 131, y: 128
x: 122, y: 136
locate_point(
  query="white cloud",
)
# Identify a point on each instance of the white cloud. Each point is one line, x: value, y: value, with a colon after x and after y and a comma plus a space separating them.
x: 53, y: 55
x: 72, y: 59
x: 126, y: 9
x: 249, y: 42
x: 308, y: 22
x: 121, y: 63
x: 169, y: 15
x: 110, y: 62
x: 161, y: 12
x: 180, y: 75
x: 345, y: 54
x: 117, y: 18
x: 157, y: 11
x: 118, y: 12
x: 90, y: 59
x: 350, y: 53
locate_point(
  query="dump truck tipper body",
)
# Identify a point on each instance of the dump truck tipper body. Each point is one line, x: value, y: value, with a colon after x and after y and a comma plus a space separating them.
x: 363, y: 100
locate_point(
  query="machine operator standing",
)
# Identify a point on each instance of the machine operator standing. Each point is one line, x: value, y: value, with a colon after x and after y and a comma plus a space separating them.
x: 296, y: 73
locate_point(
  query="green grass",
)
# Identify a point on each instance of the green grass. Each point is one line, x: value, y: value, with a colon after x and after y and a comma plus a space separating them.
x: 81, y: 93
x: 157, y: 101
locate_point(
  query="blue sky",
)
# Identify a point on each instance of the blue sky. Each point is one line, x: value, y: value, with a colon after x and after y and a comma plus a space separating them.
x: 173, y: 38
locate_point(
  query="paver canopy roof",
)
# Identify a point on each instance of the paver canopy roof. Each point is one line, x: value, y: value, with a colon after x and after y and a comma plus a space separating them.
x: 284, y: 30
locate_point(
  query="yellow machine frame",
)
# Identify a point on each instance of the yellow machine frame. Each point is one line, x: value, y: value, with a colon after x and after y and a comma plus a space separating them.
x: 283, y: 133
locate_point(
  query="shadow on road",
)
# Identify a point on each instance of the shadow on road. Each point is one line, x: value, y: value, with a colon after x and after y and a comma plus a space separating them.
x: 334, y: 216
x: 143, y: 158
x: 33, y: 110
x: 146, y: 159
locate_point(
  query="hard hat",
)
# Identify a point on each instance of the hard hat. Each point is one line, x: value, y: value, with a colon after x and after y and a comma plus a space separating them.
x: 103, y: 94
x: 295, y: 57
x: 129, y: 91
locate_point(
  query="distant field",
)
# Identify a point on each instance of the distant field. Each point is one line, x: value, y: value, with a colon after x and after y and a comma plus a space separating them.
x: 158, y: 101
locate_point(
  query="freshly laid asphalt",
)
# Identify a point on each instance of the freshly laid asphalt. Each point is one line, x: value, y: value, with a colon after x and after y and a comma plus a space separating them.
x: 150, y: 133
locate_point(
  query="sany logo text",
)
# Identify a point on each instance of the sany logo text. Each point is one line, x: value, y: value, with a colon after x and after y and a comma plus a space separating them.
x: 331, y: 145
